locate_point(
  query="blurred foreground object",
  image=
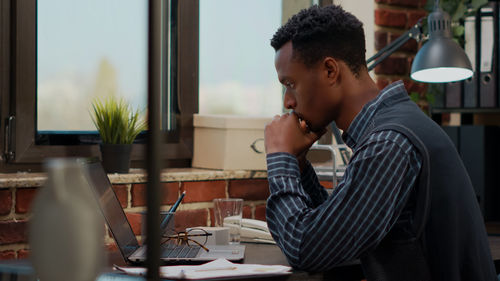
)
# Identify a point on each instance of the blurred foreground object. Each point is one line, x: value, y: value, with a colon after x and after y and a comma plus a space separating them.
x: 66, y: 231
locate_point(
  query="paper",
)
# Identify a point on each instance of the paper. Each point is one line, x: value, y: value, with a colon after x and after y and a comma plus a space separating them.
x: 257, y: 240
x: 215, y: 269
x: 470, y: 40
x: 486, y: 42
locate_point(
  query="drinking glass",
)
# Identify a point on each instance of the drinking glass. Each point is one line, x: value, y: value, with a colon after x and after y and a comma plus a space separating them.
x: 228, y: 212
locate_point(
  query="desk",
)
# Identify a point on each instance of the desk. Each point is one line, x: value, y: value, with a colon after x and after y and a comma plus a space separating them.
x: 255, y: 253
x: 271, y: 254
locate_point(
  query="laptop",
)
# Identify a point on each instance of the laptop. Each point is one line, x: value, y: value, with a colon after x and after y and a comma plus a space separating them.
x: 125, y: 239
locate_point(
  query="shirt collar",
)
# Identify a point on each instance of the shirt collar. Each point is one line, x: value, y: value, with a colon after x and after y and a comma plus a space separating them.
x: 358, y: 126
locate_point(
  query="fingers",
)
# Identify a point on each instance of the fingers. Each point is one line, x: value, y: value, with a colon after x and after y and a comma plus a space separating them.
x: 316, y: 135
x: 293, y: 117
x: 303, y: 126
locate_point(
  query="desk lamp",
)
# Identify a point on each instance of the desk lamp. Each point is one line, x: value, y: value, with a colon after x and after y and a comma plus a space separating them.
x: 439, y: 60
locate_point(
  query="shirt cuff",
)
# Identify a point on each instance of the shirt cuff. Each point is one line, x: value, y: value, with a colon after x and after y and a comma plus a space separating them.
x: 282, y: 164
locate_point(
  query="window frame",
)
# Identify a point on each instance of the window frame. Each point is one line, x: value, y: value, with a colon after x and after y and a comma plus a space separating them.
x: 18, y: 86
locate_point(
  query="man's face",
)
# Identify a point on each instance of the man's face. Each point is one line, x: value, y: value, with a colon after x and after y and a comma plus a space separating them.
x: 307, y: 90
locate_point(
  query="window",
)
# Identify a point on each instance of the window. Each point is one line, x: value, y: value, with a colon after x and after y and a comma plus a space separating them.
x: 89, y: 49
x: 235, y: 41
x: 29, y: 63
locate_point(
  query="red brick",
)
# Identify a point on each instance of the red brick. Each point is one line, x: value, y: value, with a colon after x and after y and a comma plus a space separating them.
x: 23, y: 254
x: 327, y: 184
x: 408, y: 3
x: 122, y: 194
x: 390, y: 18
x: 380, y: 39
x: 135, y: 220
x: 410, y: 46
x: 170, y: 192
x: 190, y: 218
x: 7, y: 255
x: 412, y: 86
x: 171, y: 189
x: 203, y: 191
x: 260, y: 212
x: 393, y: 65
x: 249, y: 189
x: 247, y: 212
x: 13, y: 232
x: 414, y: 16
x: 5, y: 201
x: 24, y: 198
x: 138, y: 193
x: 408, y: 85
x: 382, y: 83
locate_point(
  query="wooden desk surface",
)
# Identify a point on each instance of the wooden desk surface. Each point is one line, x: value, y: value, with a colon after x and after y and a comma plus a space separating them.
x: 270, y: 254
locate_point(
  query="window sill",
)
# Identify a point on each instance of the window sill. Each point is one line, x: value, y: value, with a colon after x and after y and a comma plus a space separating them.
x: 139, y: 176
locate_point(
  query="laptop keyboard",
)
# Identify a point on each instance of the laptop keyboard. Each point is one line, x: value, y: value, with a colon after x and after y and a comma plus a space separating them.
x: 179, y: 251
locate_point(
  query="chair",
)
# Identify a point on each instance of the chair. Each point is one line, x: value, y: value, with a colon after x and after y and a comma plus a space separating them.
x: 337, y: 147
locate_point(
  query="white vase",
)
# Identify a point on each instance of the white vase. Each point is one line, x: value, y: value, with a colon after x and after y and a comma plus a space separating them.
x: 66, y: 230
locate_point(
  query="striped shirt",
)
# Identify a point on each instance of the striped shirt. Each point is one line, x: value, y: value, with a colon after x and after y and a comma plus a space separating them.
x: 316, y: 231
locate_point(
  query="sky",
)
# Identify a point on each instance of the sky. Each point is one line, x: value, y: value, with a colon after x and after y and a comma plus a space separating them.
x: 235, y: 37
x: 72, y: 46
x: 237, y: 74
x: 89, y: 48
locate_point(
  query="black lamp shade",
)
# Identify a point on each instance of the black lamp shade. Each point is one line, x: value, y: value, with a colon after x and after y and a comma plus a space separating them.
x: 440, y: 59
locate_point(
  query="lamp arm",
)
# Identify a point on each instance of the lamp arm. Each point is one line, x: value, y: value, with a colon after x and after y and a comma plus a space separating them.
x: 415, y: 32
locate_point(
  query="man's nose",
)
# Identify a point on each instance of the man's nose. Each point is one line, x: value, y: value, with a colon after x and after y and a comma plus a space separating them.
x: 289, y: 101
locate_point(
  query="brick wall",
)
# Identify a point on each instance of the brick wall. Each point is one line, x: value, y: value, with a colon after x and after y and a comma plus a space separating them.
x: 196, y: 209
x: 393, y: 18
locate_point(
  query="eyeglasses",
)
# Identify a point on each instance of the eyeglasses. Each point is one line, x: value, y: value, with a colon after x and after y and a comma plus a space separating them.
x: 186, y: 238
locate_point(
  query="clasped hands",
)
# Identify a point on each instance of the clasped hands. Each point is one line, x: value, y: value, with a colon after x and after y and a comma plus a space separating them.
x: 287, y: 133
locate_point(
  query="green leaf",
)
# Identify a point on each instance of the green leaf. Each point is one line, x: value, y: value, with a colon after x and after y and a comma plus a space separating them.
x: 430, y: 98
x: 458, y: 30
x: 459, y: 12
x: 476, y: 4
x: 429, y: 5
x: 414, y: 96
x: 116, y: 122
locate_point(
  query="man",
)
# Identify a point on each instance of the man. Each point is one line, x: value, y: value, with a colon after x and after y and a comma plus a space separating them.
x: 405, y: 206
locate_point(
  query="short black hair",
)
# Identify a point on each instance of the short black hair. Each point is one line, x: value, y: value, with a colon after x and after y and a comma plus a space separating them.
x: 318, y: 32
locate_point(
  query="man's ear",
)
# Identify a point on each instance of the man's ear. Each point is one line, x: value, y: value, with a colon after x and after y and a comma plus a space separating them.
x: 332, y: 69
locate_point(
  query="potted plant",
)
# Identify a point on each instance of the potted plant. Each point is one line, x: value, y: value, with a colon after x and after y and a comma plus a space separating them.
x: 118, y: 125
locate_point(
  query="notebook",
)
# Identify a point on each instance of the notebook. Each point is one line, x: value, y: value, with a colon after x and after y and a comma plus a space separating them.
x: 125, y: 239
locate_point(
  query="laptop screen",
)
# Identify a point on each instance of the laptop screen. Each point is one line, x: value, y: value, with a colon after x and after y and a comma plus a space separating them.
x: 111, y: 209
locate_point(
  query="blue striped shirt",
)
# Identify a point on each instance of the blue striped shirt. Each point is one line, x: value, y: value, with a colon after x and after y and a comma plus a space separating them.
x: 316, y: 231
